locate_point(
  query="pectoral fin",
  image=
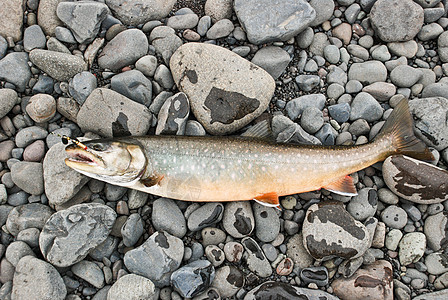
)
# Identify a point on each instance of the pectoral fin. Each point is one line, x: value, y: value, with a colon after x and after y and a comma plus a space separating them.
x: 268, y: 199
x: 342, y: 186
x: 151, y: 180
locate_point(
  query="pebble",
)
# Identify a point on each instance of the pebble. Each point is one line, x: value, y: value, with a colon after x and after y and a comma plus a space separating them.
x: 12, y: 20
x: 317, y: 275
x: 15, y: 70
x: 64, y: 35
x: 44, y: 85
x: 364, y: 205
x: 233, y: 252
x: 8, y: 98
x: 70, y: 234
x: 434, y: 230
x: 16, y: 251
x: 381, y: 91
x: 220, y: 29
x: 166, y: 216
x: 165, y: 41
x: 124, y: 49
x: 414, y: 180
x: 156, y: 258
x: 405, y: 76
x: 272, y: 289
x: 33, y: 38
x: 39, y: 278
x: 147, y: 65
x: 90, y: 272
x: 173, y: 115
x: 394, y: 216
x: 131, y: 286
x: 41, y: 108
x: 267, y: 223
x: 340, y: 112
x: 193, y: 278
x: 258, y: 32
x: 82, y: 85
x: 183, y: 20
x: 132, y: 230
x: 272, y: 59
x: 238, y: 219
x: 256, y: 260
x: 411, y: 247
x: 350, y: 240
x: 205, y: 216
x: 295, y: 107
x: 212, y: 236
x: 134, y: 85
x: 128, y: 117
x: 435, y: 263
x: 215, y: 255
x: 364, y: 106
x: 228, y: 280
x: 28, y: 176
x: 140, y: 11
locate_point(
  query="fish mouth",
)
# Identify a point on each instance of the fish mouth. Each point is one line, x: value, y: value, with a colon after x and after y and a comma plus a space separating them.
x: 81, y: 157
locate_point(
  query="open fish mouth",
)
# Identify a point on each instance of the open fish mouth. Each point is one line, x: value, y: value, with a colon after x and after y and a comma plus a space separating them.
x: 83, y: 157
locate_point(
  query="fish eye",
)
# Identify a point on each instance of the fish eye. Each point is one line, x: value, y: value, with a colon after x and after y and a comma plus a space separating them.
x: 97, y: 147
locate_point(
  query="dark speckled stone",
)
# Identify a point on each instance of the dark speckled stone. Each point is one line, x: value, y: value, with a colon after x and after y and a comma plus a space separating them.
x: 193, y: 279
x: 280, y: 290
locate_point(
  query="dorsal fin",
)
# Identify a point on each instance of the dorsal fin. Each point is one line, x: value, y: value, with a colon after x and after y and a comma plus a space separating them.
x: 342, y: 186
x: 261, y: 130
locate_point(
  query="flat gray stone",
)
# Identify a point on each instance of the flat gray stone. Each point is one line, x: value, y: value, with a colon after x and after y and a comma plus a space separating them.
x: 364, y: 106
x: 82, y: 85
x: 368, y: 72
x: 156, y: 258
x: 405, y: 76
x: 246, y: 88
x: 60, y: 66
x: 173, y: 115
x: 28, y: 176
x: 295, y: 107
x: 14, y: 69
x: 134, y: 85
x: 132, y: 230
x: 278, y: 289
x: 391, y: 24
x: 166, y: 216
x: 34, y: 38
x: 165, y: 41
x: 238, y: 220
x: 8, y: 98
x: 228, y: 281
x: 193, y: 278
x: 205, y: 216
x: 287, y: 19
x: 69, y: 235
x: 119, y: 115
x: 38, y: 278
x: 363, y: 205
x: 256, y: 260
x: 124, y: 49
x: 11, y: 19
x: 33, y: 215
x: 131, y: 286
x: 90, y: 272
x: 267, y: 222
x: 272, y: 59
x: 140, y: 11
x: 434, y: 230
x: 324, y: 11
x: 220, y: 29
x: 61, y: 182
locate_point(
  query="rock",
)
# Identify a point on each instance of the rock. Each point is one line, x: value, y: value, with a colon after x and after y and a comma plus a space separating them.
x: 332, y: 54
x: 16, y: 251
x: 131, y: 286
x: 381, y: 91
x: 205, y: 216
x: 364, y: 205
x: 435, y: 230
x: 61, y: 182
x: 69, y: 235
x: 238, y: 219
x: 134, y: 85
x: 228, y: 281
x: 428, y: 113
x: 433, y: 296
x: 391, y: 25
x: 58, y: 65
x: 41, y: 108
x: 33, y: 215
x: 156, y: 258
x: 82, y: 85
x: 83, y: 18
x: 165, y: 40
x: 256, y: 260
x: 215, y: 255
x: 317, y: 275
x: 435, y: 90
x: 147, y: 65
x: 212, y: 236
x: 405, y: 76
x: 307, y: 82
x: 407, y: 49
x: 183, y: 20
x: 64, y: 35
x: 343, y: 32
x: 364, y: 106
x: 193, y: 278
x: 132, y: 230
x: 218, y: 9
x: 277, y: 289
x: 46, y: 16
x: 90, y: 272
x: 44, y: 85
x: 296, y: 106
x: 350, y: 239
x: 267, y: 222
x: 340, y: 112
x: 8, y: 99
x: 374, y: 282
x: 411, y: 248
x: 435, y: 262
x: 166, y: 216
x: 28, y: 176
x: 34, y: 38
x: 140, y: 11
x: 368, y: 72
x: 272, y: 59
x: 442, y: 47
x: 173, y: 115
x: 296, y: 250
x: 289, y: 19
x: 11, y: 19
x: 124, y: 49
x: 233, y: 251
x: 246, y: 88
x: 415, y: 180
x: 119, y: 115
x: 14, y: 69
x: 324, y: 11
x: 394, y: 216
x: 105, y: 249
x: 430, y: 31
x: 312, y: 119
x: 38, y: 278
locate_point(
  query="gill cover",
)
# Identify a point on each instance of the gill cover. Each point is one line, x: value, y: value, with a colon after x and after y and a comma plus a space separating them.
x: 115, y: 162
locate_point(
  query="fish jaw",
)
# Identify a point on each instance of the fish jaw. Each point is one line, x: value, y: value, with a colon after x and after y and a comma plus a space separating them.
x: 83, y: 160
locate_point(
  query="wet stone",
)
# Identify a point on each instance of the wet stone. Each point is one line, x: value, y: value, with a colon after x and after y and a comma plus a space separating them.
x: 296, y: 14
x: 38, y: 278
x: 374, y: 281
x: 205, y: 216
x: 156, y: 258
x: 69, y: 235
x: 256, y: 260
x: 414, y: 180
x: 33, y: 215
x: 134, y: 85
x: 173, y: 115
x: 272, y: 289
x: 193, y: 278
x: 131, y: 286
x: 317, y: 275
x: 267, y: 222
x: 351, y: 238
x: 167, y: 216
x: 238, y: 219
x: 246, y: 88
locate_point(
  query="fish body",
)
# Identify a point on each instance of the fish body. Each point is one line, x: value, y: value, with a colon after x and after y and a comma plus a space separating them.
x: 233, y: 168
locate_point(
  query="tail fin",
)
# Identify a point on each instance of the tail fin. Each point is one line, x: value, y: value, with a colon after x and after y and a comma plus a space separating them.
x: 400, y: 126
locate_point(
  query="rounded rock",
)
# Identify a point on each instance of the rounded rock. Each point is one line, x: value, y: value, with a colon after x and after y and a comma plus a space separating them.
x: 238, y: 219
x: 411, y: 248
x: 131, y: 286
x: 394, y: 216
x: 41, y: 108
x: 167, y: 216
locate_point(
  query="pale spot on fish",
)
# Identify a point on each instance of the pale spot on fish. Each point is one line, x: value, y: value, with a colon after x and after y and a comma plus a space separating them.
x: 222, y: 166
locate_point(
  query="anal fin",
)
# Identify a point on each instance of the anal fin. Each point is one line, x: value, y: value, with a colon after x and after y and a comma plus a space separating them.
x: 268, y: 199
x: 343, y: 186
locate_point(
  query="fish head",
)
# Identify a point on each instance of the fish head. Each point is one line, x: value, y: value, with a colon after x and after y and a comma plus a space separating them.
x: 116, y: 162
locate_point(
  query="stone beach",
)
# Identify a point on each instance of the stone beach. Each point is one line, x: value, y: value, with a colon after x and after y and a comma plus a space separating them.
x: 323, y: 72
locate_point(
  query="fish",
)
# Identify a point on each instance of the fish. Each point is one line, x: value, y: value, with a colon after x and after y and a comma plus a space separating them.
x: 221, y: 169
